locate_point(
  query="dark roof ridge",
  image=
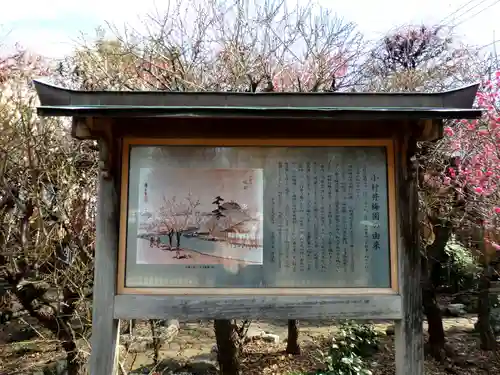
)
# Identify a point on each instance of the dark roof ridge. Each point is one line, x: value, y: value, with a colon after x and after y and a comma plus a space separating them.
x: 56, y: 96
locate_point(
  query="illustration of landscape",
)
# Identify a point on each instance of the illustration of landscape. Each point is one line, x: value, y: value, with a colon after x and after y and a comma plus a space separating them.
x: 200, y: 217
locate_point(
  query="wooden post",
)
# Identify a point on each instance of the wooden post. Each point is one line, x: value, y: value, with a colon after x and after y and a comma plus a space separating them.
x: 409, y: 330
x: 105, y: 329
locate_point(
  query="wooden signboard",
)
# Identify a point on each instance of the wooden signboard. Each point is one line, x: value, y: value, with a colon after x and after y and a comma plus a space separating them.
x: 306, y: 209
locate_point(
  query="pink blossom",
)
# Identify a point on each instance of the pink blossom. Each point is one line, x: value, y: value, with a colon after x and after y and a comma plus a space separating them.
x: 478, y: 142
x: 448, y: 131
x: 482, y: 132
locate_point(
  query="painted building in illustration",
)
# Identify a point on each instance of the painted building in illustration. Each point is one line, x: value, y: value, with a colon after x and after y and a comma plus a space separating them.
x: 247, y: 233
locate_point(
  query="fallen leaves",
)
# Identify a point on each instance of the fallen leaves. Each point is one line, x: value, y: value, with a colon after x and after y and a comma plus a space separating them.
x: 261, y: 358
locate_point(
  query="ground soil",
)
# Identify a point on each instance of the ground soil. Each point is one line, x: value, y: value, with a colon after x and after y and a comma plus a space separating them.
x: 23, y: 352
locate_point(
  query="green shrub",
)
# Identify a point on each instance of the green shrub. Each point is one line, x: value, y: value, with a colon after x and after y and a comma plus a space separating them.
x: 345, y: 353
x: 362, y: 339
x: 463, y: 268
x: 342, y: 360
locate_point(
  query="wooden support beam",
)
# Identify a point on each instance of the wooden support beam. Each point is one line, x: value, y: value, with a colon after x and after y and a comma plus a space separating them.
x: 409, y: 330
x: 258, y: 307
x: 105, y: 328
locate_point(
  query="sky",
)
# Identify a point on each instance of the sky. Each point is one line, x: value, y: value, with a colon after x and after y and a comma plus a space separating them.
x: 53, y: 27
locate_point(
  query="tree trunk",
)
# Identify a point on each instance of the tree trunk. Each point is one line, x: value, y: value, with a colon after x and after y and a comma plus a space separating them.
x: 437, y: 339
x: 127, y: 327
x: 153, y: 324
x: 60, y: 327
x: 486, y: 334
x: 170, y: 240
x: 227, y: 347
x: 178, y: 235
x: 436, y: 274
x: 292, y: 346
x: 74, y: 364
x: 431, y: 271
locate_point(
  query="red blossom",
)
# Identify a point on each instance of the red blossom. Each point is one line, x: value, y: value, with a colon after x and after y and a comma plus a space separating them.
x: 476, y: 175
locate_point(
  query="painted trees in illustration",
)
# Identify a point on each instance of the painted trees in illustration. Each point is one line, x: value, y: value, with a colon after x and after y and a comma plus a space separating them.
x: 218, y: 212
x: 166, y: 223
x: 176, y: 217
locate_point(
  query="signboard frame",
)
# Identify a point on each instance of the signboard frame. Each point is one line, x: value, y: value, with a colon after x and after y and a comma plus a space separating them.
x: 387, y: 143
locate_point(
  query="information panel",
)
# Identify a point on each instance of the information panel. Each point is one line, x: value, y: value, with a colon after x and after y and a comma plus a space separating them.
x: 257, y: 217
